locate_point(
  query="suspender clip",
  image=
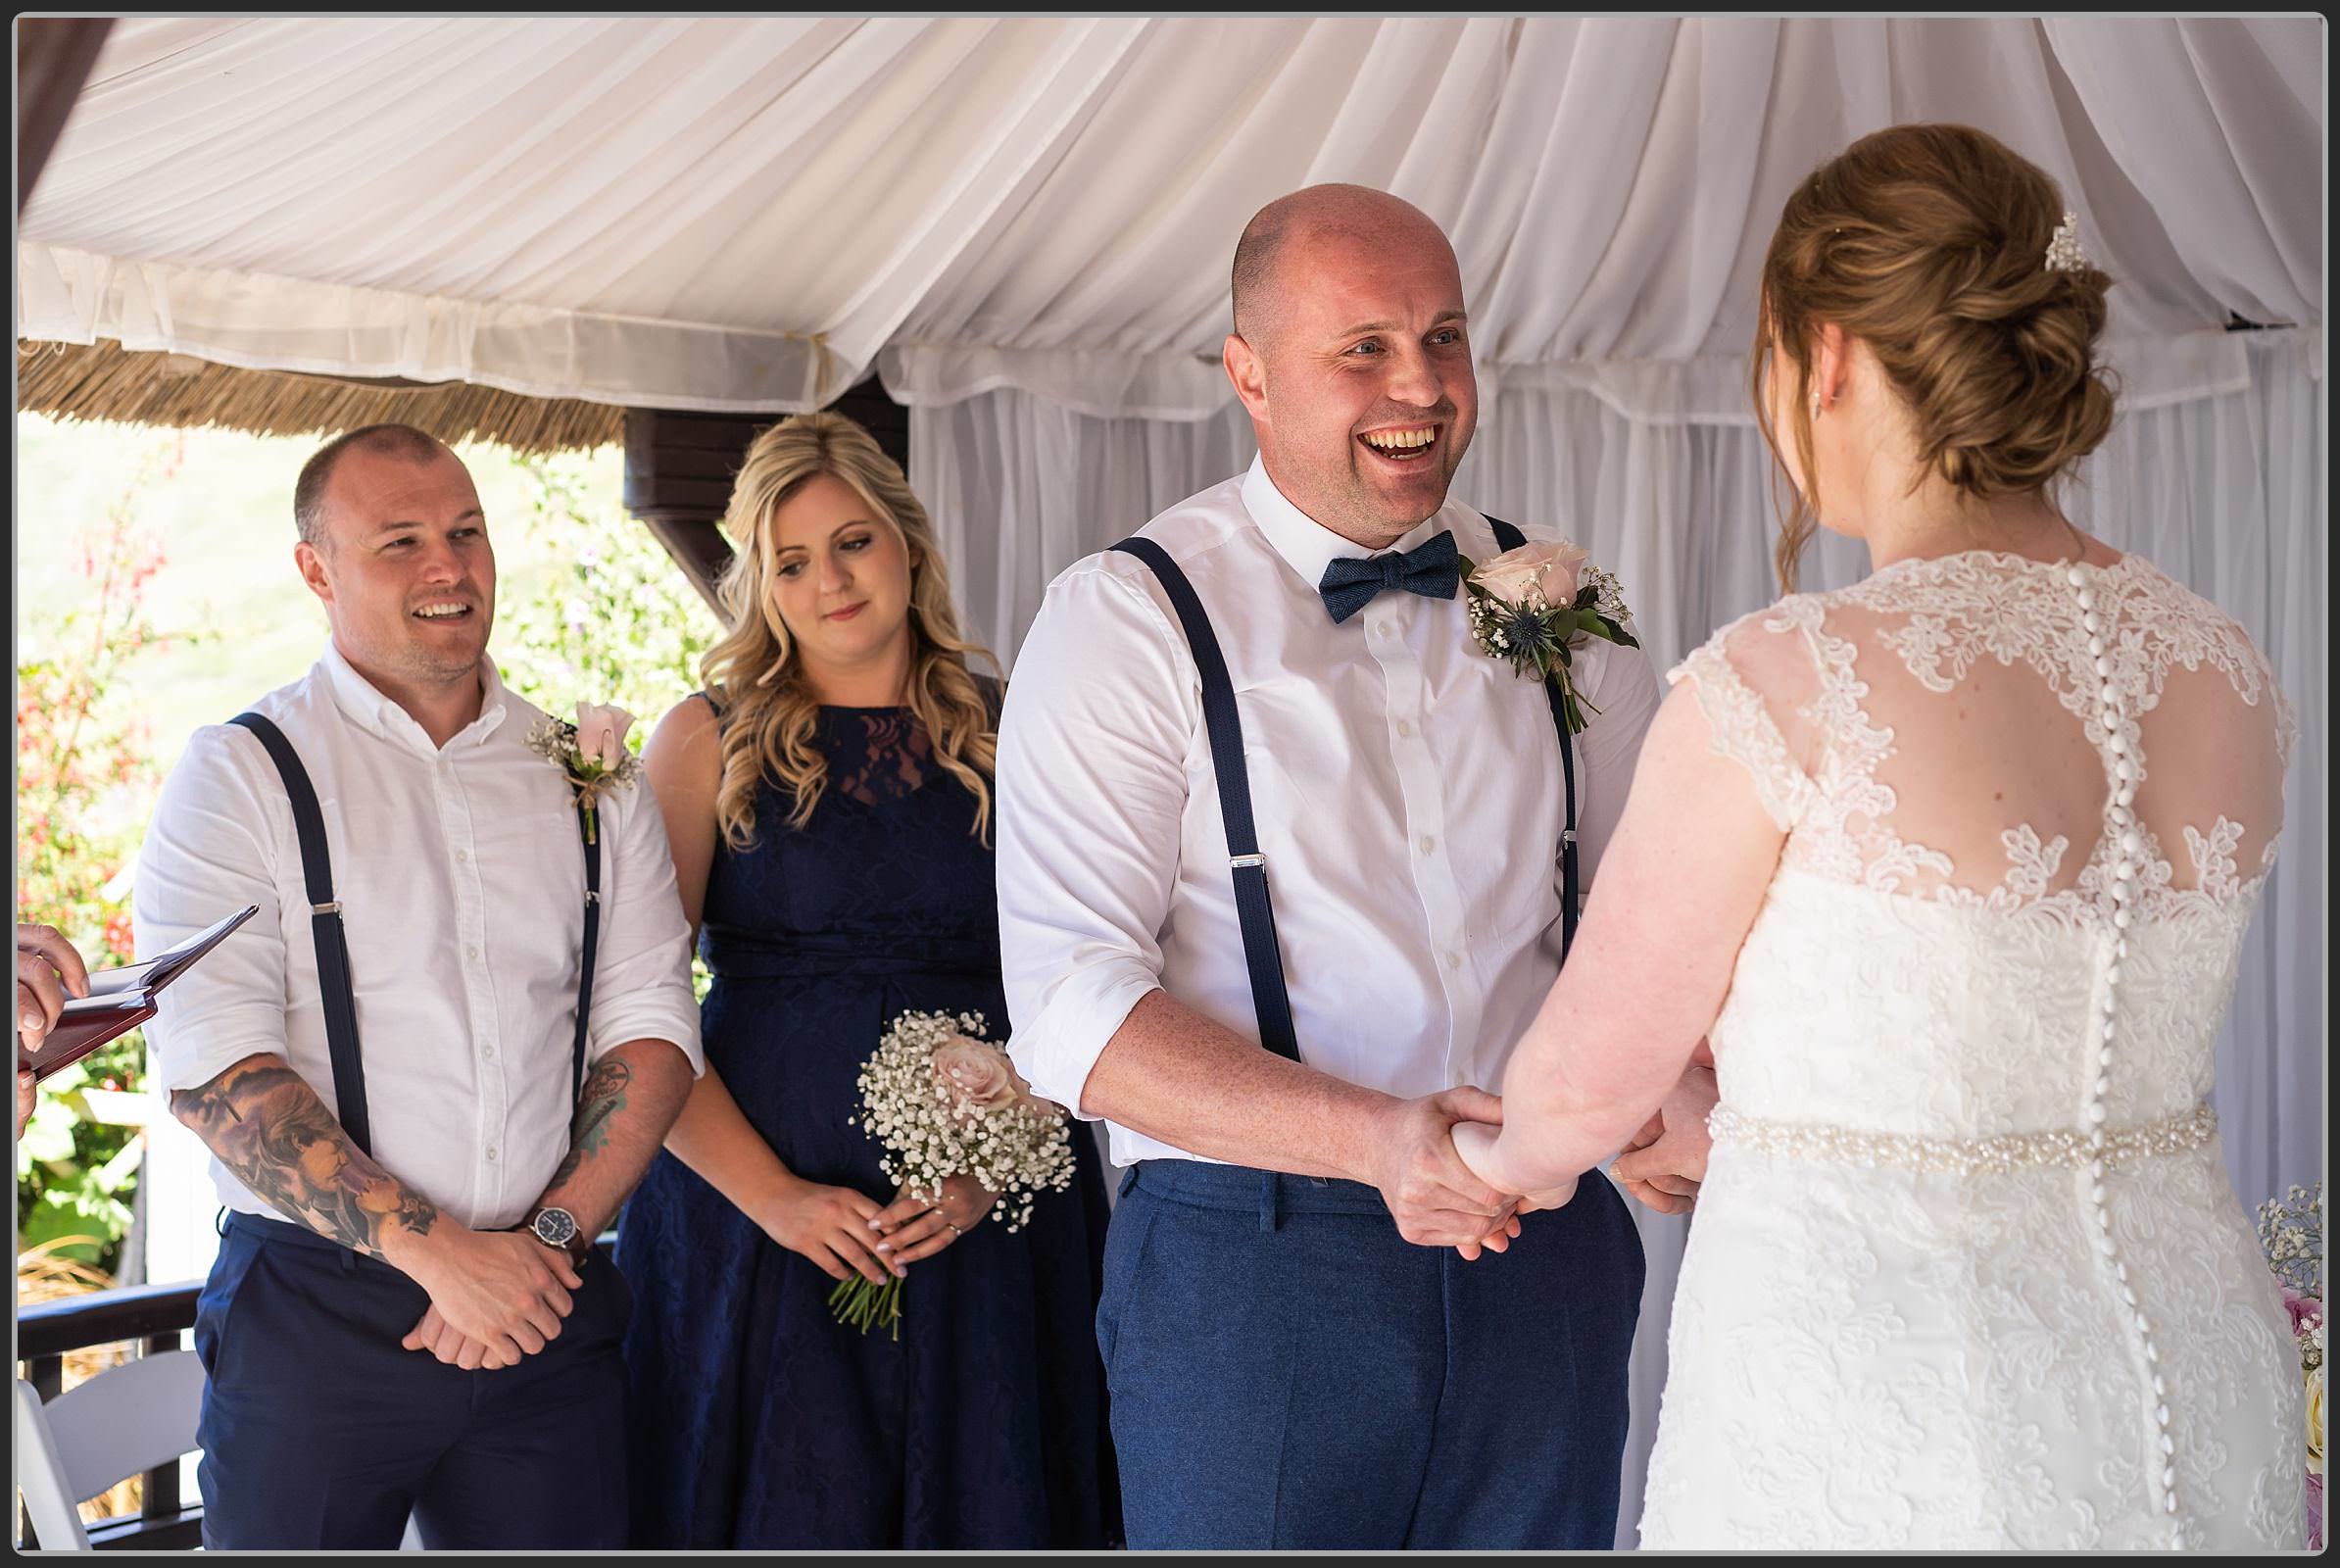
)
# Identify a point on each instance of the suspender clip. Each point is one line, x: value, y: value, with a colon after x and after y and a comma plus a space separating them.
x: 1238, y: 861
x: 333, y: 907
x: 1568, y: 835
x: 593, y: 896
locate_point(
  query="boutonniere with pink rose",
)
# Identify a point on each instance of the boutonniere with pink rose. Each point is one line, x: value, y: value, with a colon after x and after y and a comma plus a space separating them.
x: 1531, y: 605
x: 944, y: 1101
x: 592, y: 752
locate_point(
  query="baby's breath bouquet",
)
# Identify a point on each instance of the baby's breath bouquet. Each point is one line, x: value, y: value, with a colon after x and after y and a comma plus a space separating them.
x: 946, y: 1101
x: 2291, y: 1230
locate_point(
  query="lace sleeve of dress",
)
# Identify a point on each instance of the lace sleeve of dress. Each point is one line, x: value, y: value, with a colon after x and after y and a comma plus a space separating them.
x: 2287, y: 724
x: 1740, y: 727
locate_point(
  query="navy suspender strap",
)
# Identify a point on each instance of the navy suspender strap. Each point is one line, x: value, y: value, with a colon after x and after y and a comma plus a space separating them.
x: 593, y: 927
x: 1225, y: 726
x: 1509, y: 538
x: 334, y: 989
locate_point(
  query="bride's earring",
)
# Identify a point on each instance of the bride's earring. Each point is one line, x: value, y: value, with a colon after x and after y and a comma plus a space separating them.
x: 1815, y: 404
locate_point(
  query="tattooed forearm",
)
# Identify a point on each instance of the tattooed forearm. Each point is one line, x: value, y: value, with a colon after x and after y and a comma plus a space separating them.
x: 629, y: 1100
x: 601, y: 1097
x: 269, y: 1127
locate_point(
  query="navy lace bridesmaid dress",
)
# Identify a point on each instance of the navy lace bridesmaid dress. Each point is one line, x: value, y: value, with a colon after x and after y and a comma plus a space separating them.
x: 755, y: 1420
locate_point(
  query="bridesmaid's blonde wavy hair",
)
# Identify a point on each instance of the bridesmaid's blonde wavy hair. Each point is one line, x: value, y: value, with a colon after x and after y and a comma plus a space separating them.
x: 753, y: 675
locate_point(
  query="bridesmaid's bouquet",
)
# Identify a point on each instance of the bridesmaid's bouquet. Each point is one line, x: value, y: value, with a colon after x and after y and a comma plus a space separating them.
x: 2291, y: 1230
x: 946, y: 1103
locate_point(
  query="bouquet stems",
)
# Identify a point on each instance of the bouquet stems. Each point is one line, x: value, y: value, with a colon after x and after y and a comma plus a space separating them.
x: 857, y: 1301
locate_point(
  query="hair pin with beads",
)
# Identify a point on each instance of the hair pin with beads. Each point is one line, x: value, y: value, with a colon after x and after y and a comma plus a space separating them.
x: 2063, y: 253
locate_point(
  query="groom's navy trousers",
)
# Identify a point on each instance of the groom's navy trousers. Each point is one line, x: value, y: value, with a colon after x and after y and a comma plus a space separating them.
x: 321, y: 1432
x: 1286, y: 1371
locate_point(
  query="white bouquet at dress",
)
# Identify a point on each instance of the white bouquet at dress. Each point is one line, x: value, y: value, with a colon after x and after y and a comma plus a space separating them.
x: 946, y: 1103
x: 2291, y: 1230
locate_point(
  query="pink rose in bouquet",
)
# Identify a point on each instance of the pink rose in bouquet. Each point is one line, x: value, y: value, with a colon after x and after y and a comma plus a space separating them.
x: 978, y: 1071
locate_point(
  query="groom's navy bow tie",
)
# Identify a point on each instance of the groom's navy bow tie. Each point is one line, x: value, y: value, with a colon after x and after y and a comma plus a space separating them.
x: 1349, y: 583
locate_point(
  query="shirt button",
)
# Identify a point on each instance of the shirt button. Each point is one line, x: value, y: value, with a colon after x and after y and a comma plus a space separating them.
x: 487, y: 1052
x: 1428, y: 844
x: 1453, y: 961
x: 471, y: 950
x: 463, y: 854
x: 1404, y: 728
x: 1456, y: 1079
x: 491, y: 1153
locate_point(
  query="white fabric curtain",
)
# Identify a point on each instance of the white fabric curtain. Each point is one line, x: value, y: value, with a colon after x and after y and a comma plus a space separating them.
x: 742, y: 213
x: 2215, y: 471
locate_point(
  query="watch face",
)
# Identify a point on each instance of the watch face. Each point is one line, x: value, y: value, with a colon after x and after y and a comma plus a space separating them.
x: 555, y: 1227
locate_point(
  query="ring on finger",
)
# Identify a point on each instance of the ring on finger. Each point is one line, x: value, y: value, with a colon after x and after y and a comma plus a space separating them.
x: 954, y: 1230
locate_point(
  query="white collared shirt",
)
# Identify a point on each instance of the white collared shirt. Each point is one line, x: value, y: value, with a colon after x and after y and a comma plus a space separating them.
x: 462, y: 884
x: 1407, y: 790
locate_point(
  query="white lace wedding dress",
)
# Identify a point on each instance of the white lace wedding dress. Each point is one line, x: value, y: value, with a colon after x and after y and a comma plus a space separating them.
x: 1966, y: 1270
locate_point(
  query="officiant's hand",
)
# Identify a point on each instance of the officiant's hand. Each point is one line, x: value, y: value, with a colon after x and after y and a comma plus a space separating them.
x: 1432, y: 1194
x: 48, y: 970
x: 830, y: 1225
x: 1666, y: 1161
x: 911, y: 1228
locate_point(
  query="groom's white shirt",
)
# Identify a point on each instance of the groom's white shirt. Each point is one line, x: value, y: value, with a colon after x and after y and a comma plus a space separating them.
x: 462, y: 884
x: 1407, y: 790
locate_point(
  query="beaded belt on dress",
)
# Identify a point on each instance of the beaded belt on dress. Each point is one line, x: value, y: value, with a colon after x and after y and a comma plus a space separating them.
x: 1964, y: 1156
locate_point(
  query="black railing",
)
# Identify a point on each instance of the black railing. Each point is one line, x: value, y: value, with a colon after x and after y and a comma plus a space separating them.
x: 153, y: 1318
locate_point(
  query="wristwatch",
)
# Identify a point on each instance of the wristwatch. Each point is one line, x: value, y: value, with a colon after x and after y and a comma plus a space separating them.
x: 557, y: 1227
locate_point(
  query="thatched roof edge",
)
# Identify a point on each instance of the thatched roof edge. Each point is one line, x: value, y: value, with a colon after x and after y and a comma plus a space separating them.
x: 106, y: 381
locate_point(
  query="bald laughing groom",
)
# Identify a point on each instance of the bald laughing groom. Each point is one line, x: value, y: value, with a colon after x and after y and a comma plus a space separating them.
x: 1320, y: 1328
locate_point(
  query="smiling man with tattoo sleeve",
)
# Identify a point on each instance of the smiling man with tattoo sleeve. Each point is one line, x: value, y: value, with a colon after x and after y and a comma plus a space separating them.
x: 421, y: 1106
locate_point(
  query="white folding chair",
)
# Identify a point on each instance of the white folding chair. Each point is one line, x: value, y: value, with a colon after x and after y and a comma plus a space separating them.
x: 123, y: 1422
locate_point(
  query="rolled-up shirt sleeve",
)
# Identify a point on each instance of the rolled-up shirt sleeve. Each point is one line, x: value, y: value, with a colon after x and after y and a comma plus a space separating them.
x: 641, y: 960
x: 1092, y: 781
x: 208, y: 853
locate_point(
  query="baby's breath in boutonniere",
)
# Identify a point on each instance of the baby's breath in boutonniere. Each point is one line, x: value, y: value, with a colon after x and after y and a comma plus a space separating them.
x: 1531, y: 605
x: 591, y: 752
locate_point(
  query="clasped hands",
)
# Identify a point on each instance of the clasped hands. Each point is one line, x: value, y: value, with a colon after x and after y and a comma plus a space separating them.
x: 495, y: 1295
x: 1433, y: 1148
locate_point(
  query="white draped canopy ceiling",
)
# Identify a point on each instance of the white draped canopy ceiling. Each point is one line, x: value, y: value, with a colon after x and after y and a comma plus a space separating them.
x: 747, y: 213
x: 1025, y: 226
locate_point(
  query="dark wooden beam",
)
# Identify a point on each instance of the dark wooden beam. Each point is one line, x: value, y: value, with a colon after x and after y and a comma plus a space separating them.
x: 680, y: 468
x: 54, y: 57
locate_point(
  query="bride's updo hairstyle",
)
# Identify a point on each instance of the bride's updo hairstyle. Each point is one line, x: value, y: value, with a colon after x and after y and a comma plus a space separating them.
x: 1929, y: 243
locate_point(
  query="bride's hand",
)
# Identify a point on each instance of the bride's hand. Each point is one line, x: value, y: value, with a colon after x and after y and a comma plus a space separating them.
x: 1475, y: 1143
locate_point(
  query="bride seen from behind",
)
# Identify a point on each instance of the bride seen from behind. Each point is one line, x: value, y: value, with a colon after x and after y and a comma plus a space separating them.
x: 1977, y: 840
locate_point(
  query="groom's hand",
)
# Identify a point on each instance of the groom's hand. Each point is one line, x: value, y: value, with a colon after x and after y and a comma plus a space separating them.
x: 1664, y: 1164
x: 1432, y: 1194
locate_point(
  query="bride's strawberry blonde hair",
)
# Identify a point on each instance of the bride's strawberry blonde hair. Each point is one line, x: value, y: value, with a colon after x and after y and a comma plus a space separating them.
x: 1930, y: 244
x: 754, y: 675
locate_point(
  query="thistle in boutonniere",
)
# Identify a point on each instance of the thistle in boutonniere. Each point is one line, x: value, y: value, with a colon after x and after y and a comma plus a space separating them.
x: 591, y: 752
x: 1531, y: 605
